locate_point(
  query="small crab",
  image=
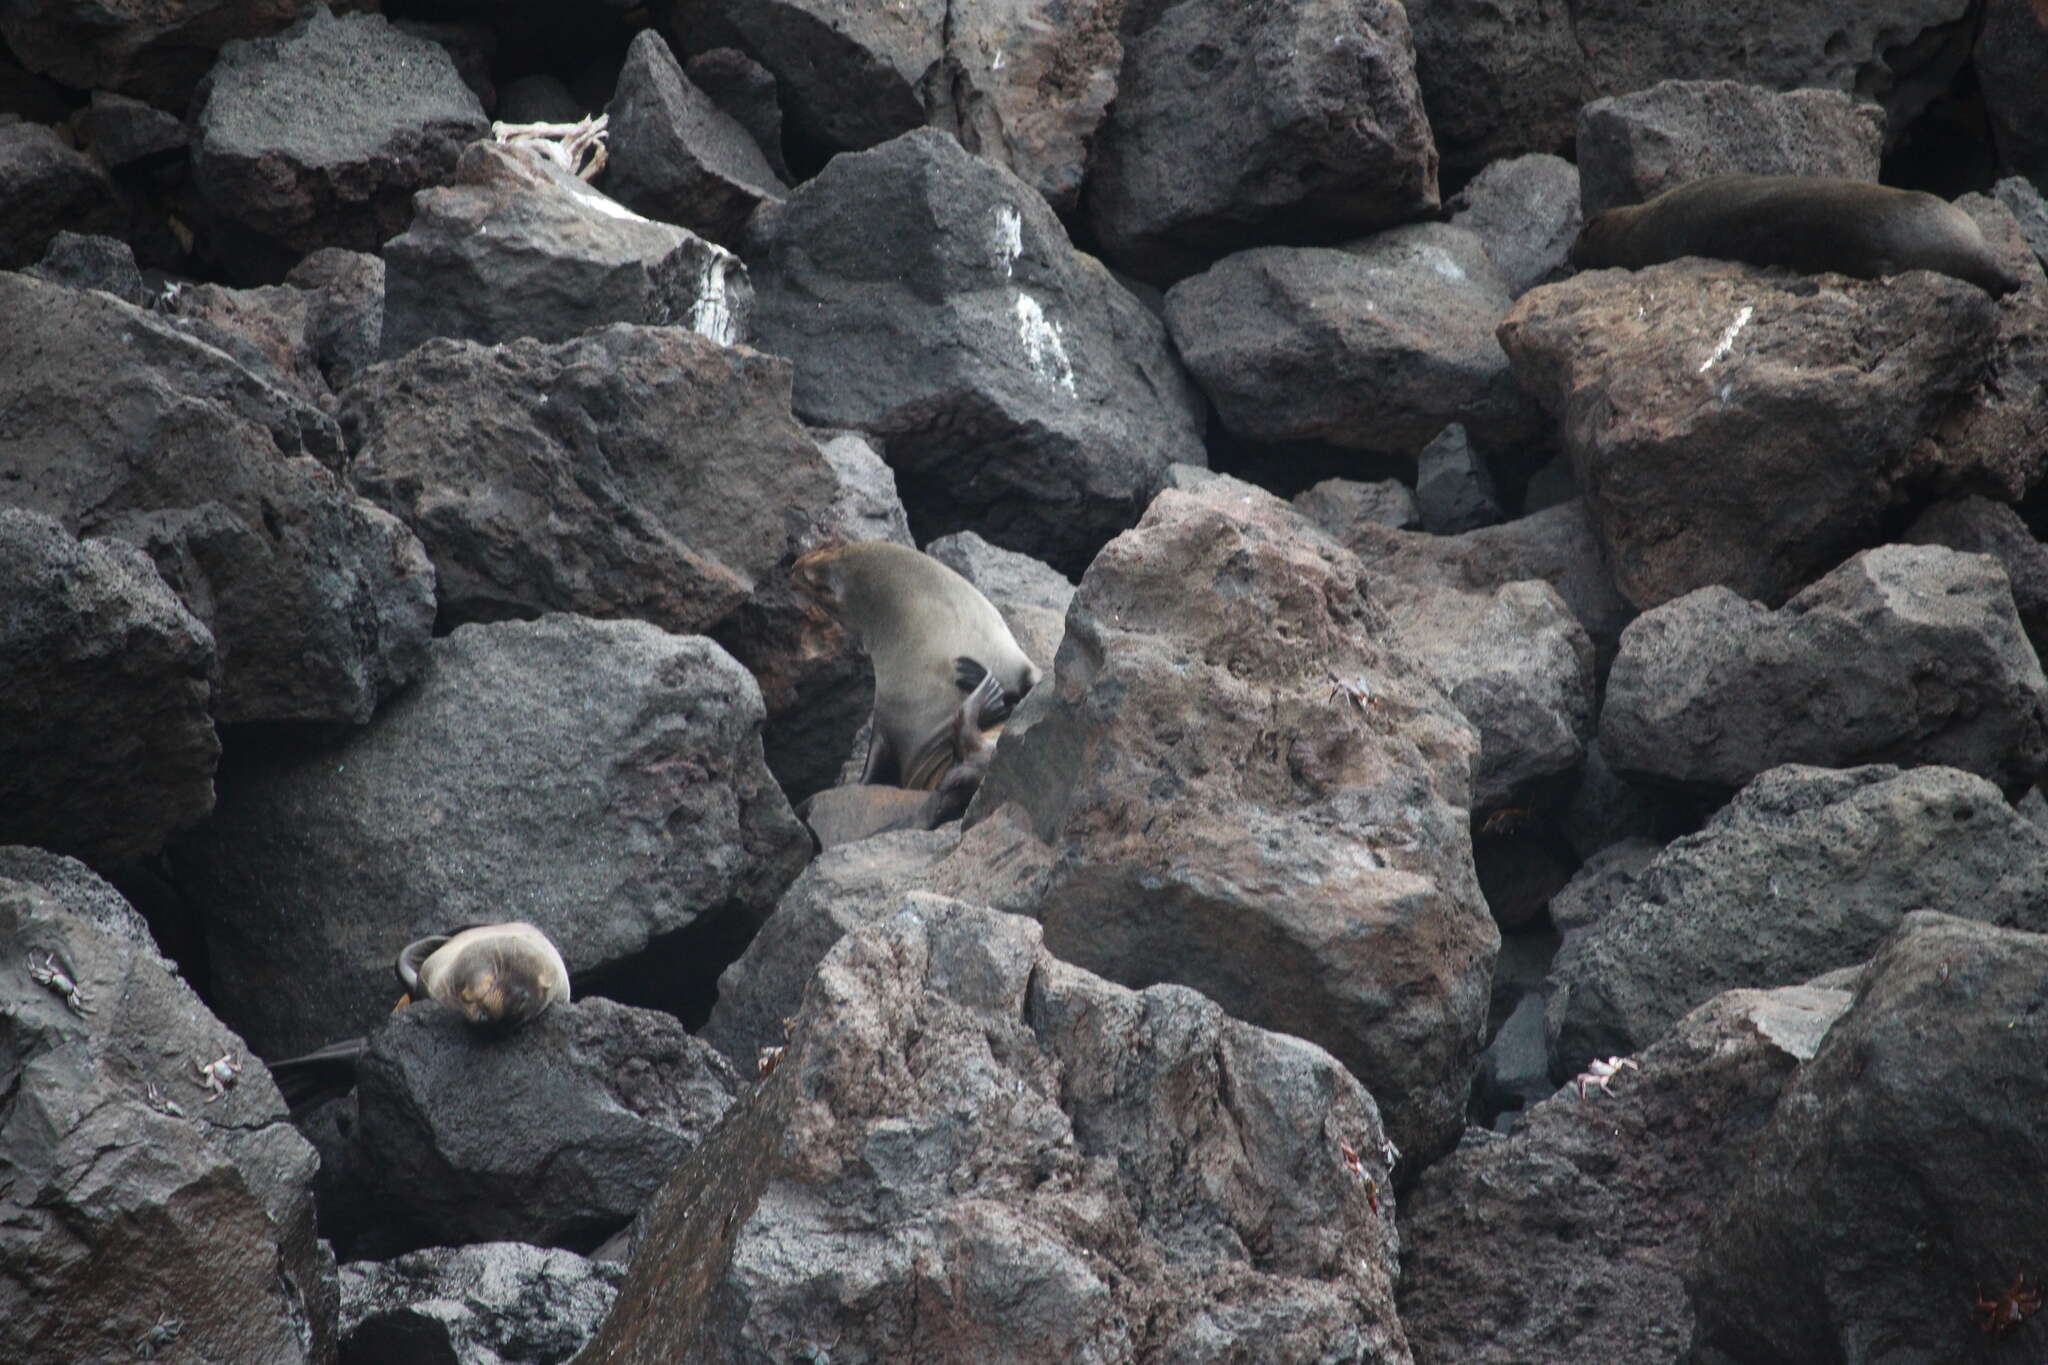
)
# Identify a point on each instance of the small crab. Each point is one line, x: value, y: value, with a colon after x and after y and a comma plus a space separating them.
x: 162, y: 1333
x: 155, y: 1099
x: 576, y: 147
x: 220, y: 1075
x: 1357, y: 1168
x: 48, y: 973
x: 1358, y: 691
x: 1998, y: 1316
x: 770, y: 1058
x: 1600, y: 1075
x: 1389, y: 1153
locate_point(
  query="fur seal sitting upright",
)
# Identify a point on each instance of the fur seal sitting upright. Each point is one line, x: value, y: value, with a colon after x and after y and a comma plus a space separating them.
x: 1810, y: 223
x: 496, y: 976
x: 934, y: 640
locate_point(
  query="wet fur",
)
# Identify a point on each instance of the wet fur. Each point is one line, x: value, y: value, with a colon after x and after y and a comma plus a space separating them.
x: 1808, y: 223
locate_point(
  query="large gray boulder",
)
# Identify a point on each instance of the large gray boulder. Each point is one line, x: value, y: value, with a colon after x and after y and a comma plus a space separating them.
x: 1914, y: 1128
x: 319, y: 136
x: 1240, y: 124
x: 319, y: 604
x: 515, y: 246
x: 47, y: 187
x: 1905, y: 654
x: 1742, y: 428
x: 494, y: 1303
x: 1806, y: 870
x: 600, y: 779
x: 1569, y: 1240
x: 106, y: 747
x: 554, y: 1136
x: 1237, y: 749
x: 974, y: 1151
x: 144, y: 1214
x: 1526, y: 210
x: 933, y: 300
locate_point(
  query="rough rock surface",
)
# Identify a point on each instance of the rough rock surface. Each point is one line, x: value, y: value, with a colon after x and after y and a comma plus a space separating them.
x: 1568, y: 1240
x: 137, y: 1210
x: 1237, y: 124
x: 1736, y: 427
x: 631, y: 472
x: 1977, y: 525
x: 1338, y: 504
x: 745, y: 89
x: 47, y: 187
x: 2029, y: 211
x: 1996, y: 440
x: 319, y: 137
x: 2010, y: 59
x: 496, y: 1303
x: 123, y: 132
x: 600, y: 779
x: 1526, y: 211
x: 1452, y: 486
x: 934, y: 301
x: 554, y: 1136
x: 675, y: 155
x: 1374, y: 347
x: 124, y: 427
x: 1916, y: 1128
x: 153, y: 49
x: 973, y: 1148
x: 1192, y: 769
x: 106, y: 747
x: 517, y: 247
x: 1905, y: 654
x: 1806, y: 870
x: 84, y: 261
x: 1633, y: 147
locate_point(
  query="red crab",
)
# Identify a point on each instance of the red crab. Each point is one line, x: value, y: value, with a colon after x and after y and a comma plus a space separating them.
x: 2000, y: 1315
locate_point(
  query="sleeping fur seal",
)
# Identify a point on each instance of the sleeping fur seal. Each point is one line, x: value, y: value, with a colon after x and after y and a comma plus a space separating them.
x: 1810, y: 223
x: 497, y: 976
x: 934, y: 640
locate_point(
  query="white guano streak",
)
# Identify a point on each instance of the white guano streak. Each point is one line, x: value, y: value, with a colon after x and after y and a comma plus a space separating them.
x: 1728, y: 338
x: 1043, y: 349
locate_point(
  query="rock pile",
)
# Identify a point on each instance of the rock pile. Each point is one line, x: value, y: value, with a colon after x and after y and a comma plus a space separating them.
x: 1536, y: 856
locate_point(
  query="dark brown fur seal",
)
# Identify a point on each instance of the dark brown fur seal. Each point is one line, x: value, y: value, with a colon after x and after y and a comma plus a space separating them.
x: 1810, y: 223
x: 933, y: 638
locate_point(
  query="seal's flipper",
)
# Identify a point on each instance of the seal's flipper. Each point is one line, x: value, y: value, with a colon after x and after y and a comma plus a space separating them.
x: 883, y: 767
x: 409, y: 960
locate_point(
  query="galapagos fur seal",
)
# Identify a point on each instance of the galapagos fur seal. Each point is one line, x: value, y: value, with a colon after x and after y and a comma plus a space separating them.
x: 496, y: 976
x: 935, y: 642
x: 1810, y: 223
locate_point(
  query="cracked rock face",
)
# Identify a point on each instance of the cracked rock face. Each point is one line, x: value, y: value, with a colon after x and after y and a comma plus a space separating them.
x: 137, y: 1211
x: 971, y: 1147
x: 495, y: 1303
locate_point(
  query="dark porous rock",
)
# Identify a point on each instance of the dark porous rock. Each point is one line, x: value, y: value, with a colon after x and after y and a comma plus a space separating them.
x: 1526, y: 211
x: 850, y: 72
x: 495, y: 1303
x: 861, y: 810
x: 1021, y: 392
x: 1806, y: 870
x: 1236, y: 125
x: 106, y: 748
x: 1906, y: 654
x: 1253, y: 786
x: 538, y: 98
x: 2029, y: 210
x: 602, y: 780
x: 139, y: 1211
x: 554, y: 1135
x: 1336, y: 504
x: 268, y: 330
x: 1603, y: 882
x: 1918, y: 1129
x: 1977, y: 525
x: 998, y: 863
x: 86, y: 262
x: 632, y: 472
x: 126, y: 132
x: 1605, y: 809
x: 1027, y: 84
x: 319, y: 137
x: 973, y: 1150
x: 472, y: 45
x: 2010, y: 58
x: 1499, y: 78
x: 745, y: 89
x: 155, y: 50
x: 1556, y: 545
x: 1996, y: 440
x: 677, y: 156
x: 1375, y: 347
x: 517, y: 247
x: 1452, y: 488
x: 1740, y: 427
x: 347, y: 303
x: 47, y: 187
x: 320, y: 604
x: 1633, y: 147
x: 1568, y: 1240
